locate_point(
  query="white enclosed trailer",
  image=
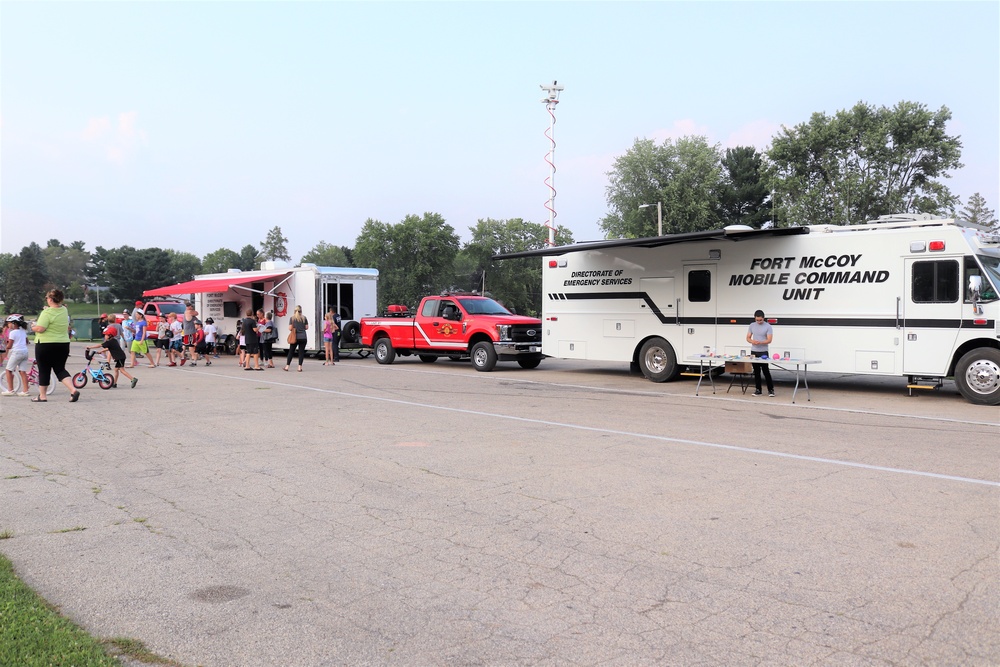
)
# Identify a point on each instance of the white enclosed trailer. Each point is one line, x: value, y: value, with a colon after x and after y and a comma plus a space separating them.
x: 903, y: 296
x: 225, y: 297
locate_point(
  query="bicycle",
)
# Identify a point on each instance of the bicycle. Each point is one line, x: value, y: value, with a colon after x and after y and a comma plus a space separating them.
x: 32, y: 380
x: 103, y: 380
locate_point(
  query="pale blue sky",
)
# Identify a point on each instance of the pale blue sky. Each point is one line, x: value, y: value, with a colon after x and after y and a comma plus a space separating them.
x: 197, y: 125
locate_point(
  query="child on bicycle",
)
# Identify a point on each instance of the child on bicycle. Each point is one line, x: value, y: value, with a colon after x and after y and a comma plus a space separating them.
x: 114, y: 348
x: 17, y: 341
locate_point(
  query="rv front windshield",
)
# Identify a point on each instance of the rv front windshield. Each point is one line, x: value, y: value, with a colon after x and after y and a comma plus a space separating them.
x: 992, y: 267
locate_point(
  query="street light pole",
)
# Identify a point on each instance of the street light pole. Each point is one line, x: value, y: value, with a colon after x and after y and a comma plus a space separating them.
x: 659, y: 216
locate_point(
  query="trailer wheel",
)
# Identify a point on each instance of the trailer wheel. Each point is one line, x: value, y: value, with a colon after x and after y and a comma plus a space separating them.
x: 384, y: 353
x: 978, y: 376
x: 484, y: 356
x: 230, y: 345
x: 658, y: 361
x: 350, y: 332
x: 528, y: 363
x: 427, y: 358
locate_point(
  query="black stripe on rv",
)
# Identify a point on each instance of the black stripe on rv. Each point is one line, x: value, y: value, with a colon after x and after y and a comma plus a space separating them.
x: 923, y: 323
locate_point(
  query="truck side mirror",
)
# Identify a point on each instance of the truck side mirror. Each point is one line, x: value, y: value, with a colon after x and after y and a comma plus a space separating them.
x: 975, y: 290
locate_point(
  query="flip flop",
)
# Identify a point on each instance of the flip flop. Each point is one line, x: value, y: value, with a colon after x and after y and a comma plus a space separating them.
x: 38, y: 399
x: 74, y: 397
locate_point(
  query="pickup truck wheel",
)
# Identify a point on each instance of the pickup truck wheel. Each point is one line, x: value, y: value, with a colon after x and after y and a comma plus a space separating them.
x: 978, y: 376
x: 384, y: 353
x: 528, y: 363
x: 427, y: 358
x: 658, y: 361
x: 484, y: 357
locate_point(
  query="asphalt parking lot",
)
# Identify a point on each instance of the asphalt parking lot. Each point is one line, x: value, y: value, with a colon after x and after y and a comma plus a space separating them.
x: 427, y: 514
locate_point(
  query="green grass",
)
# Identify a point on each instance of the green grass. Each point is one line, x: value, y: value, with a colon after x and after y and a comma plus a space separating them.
x: 33, y: 634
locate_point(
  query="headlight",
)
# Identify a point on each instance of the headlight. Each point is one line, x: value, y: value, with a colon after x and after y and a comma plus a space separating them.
x: 503, y: 331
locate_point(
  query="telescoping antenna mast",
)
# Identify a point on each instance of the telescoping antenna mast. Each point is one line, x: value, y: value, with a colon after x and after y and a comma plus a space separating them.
x: 550, y: 101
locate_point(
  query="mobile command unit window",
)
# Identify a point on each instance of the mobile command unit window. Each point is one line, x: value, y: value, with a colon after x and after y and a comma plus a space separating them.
x: 699, y: 286
x: 935, y: 282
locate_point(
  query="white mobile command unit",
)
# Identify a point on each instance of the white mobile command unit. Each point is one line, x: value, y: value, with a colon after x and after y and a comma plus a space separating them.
x: 905, y: 295
x: 225, y: 297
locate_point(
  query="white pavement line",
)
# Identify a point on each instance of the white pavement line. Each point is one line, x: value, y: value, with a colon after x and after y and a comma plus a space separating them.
x: 644, y: 436
x: 709, y: 397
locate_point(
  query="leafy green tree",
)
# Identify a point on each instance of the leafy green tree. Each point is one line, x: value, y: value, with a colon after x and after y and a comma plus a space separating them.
x: 864, y: 162
x: 6, y: 259
x: 326, y: 254
x: 25, y: 281
x: 130, y: 272
x: 978, y: 213
x: 515, y: 282
x: 250, y: 259
x: 184, y: 265
x: 743, y: 196
x: 273, y: 247
x: 65, y: 265
x: 95, y: 270
x: 414, y: 257
x: 684, y: 175
x: 221, y: 261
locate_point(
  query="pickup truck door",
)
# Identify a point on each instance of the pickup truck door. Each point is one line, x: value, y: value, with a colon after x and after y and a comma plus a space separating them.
x: 439, y: 326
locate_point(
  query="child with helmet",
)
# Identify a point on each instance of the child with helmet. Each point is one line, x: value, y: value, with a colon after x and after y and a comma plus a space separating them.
x: 17, y: 342
x: 114, y: 348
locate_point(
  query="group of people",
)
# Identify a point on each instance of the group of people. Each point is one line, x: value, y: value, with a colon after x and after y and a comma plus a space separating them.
x: 52, y: 334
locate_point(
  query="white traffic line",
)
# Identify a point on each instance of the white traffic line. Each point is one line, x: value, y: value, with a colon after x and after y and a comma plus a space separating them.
x: 630, y: 434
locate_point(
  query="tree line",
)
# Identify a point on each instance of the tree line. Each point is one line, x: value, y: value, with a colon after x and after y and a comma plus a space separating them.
x: 417, y: 256
x: 847, y: 168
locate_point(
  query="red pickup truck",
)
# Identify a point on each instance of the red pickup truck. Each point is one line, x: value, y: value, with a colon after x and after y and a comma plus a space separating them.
x: 455, y: 326
x: 154, y: 312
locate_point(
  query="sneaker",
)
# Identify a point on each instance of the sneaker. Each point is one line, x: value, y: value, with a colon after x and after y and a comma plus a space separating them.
x: 135, y: 381
x: 7, y: 393
x: 23, y: 393
x: 194, y: 363
x: 757, y: 393
x: 171, y: 364
x: 208, y: 363
x: 183, y: 361
x: 770, y: 394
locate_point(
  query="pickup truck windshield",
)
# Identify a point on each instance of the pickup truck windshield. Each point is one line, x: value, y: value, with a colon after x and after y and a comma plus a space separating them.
x: 483, y: 307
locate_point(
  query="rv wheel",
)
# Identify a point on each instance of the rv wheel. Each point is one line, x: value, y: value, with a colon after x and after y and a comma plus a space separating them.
x: 658, y: 361
x: 978, y: 376
x: 384, y: 354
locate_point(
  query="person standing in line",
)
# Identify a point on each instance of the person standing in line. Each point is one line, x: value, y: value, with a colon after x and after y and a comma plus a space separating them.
x: 127, y: 330
x: 251, y: 339
x: 190, y: 317
x: 200, y: 348
x: 162, y: 341
x: 52, y: 346
x: 267, y: 336
x: 17, y: 359
x: 299, y: 325
x: 328, y: 339
x: 759, y: 336
x: 139, y: 346
x: 211, y: 332
x: 176, y: 340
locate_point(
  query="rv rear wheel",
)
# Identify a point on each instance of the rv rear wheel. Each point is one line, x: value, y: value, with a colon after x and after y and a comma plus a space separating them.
x: 384, y: 353
x: 529, y: 363
x: 658, y: 361
x: 978, y: 376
